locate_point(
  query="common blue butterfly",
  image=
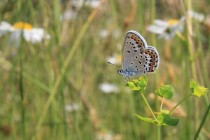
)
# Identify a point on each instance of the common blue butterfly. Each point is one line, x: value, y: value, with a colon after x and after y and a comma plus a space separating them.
x: 137, y: 57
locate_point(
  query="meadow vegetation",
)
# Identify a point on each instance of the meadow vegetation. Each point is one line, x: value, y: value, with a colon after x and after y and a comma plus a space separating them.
x: 55, y: 82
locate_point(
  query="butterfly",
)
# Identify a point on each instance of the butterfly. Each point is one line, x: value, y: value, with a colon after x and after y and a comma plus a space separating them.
x: 137, y: 57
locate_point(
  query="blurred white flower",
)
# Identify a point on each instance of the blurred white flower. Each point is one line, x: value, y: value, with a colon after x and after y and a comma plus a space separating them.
x: 108, y: 88
x: 90, y: 3
x: 72, y: 12
x: 115, y: 59
x: 104, y: 136
x: 5, y: 27
x: 72, y: 107
x: 104, y: 33
x: 107, y: 135
x: 196, y: 16
x: 93, y: 3
x: 69, y: 15
x: 30, y: 34
x: 167, y: 29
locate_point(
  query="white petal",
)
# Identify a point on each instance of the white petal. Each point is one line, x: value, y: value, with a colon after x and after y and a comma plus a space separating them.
x: 35, y: 35
x: 160, y: 23
x: 197, y: 16
x: 5, y: 27
x: 156, y: 29
x: 108, y: 88
x: 15, y: 37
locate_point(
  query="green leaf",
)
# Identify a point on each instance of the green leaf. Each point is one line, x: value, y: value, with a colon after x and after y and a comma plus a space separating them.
x: 162, y: 119
x: 138, y: 84
x: 166, y: 119
x: 150, y: 120
x: 196, y: 89
x: 165, y: 91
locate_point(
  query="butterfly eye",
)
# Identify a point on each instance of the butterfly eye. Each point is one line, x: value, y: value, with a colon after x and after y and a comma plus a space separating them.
x: 120, y: 71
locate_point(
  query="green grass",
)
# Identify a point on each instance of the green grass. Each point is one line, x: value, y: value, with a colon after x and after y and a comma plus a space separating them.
x: 70, y: 66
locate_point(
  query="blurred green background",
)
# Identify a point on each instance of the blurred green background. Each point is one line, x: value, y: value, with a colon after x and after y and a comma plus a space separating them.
x: 60, y: 86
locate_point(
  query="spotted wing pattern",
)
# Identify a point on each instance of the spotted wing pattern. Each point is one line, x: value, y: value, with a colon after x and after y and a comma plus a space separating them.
x: 137, y: 57
x: 152, y: 60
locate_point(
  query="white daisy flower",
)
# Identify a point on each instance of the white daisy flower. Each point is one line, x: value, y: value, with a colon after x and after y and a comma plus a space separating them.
x: 167, y: 29
x: 108, y: 88
x: 30, y: 34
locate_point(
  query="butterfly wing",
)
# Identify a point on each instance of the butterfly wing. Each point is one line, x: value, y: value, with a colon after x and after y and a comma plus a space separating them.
x: 152, y: 59
x: 132, y: 59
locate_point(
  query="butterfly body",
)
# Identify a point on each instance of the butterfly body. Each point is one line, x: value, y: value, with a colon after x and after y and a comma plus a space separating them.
x: 137, y: 57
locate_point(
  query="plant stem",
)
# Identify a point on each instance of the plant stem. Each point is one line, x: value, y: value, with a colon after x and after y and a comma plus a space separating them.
x: 21, y: 87
x: 145, y: 100
x: 202, y: 123
x: 179, y: 103
x: 161, y: 105
x: 190, y: 41
x: 158, y: 132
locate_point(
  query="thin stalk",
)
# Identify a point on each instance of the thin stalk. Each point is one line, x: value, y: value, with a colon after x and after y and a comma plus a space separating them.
x: 190, y: 41
x: 21, y: 88
x: 158, y: 132
x: 65, y: 133
x: 153, y: 14
x: 180, y: 103
x: 202, y: 123
x: 145, y: 100
x: 161, y: 105
x: 35, y: 81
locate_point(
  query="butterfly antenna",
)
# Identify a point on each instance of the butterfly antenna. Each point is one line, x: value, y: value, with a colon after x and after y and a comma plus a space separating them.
x: 112, y: 64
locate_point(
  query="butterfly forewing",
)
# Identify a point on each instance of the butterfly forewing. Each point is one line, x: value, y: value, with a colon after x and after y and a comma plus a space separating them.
x: 133, y: 45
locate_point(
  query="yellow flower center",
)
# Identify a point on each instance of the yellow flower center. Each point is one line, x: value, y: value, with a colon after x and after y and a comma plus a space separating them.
x: 22, y: 26
x: 171, y: 22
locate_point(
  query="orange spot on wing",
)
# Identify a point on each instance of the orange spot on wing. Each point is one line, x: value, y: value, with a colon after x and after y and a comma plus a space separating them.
x: 151, y: 69
x: 132, y: 37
